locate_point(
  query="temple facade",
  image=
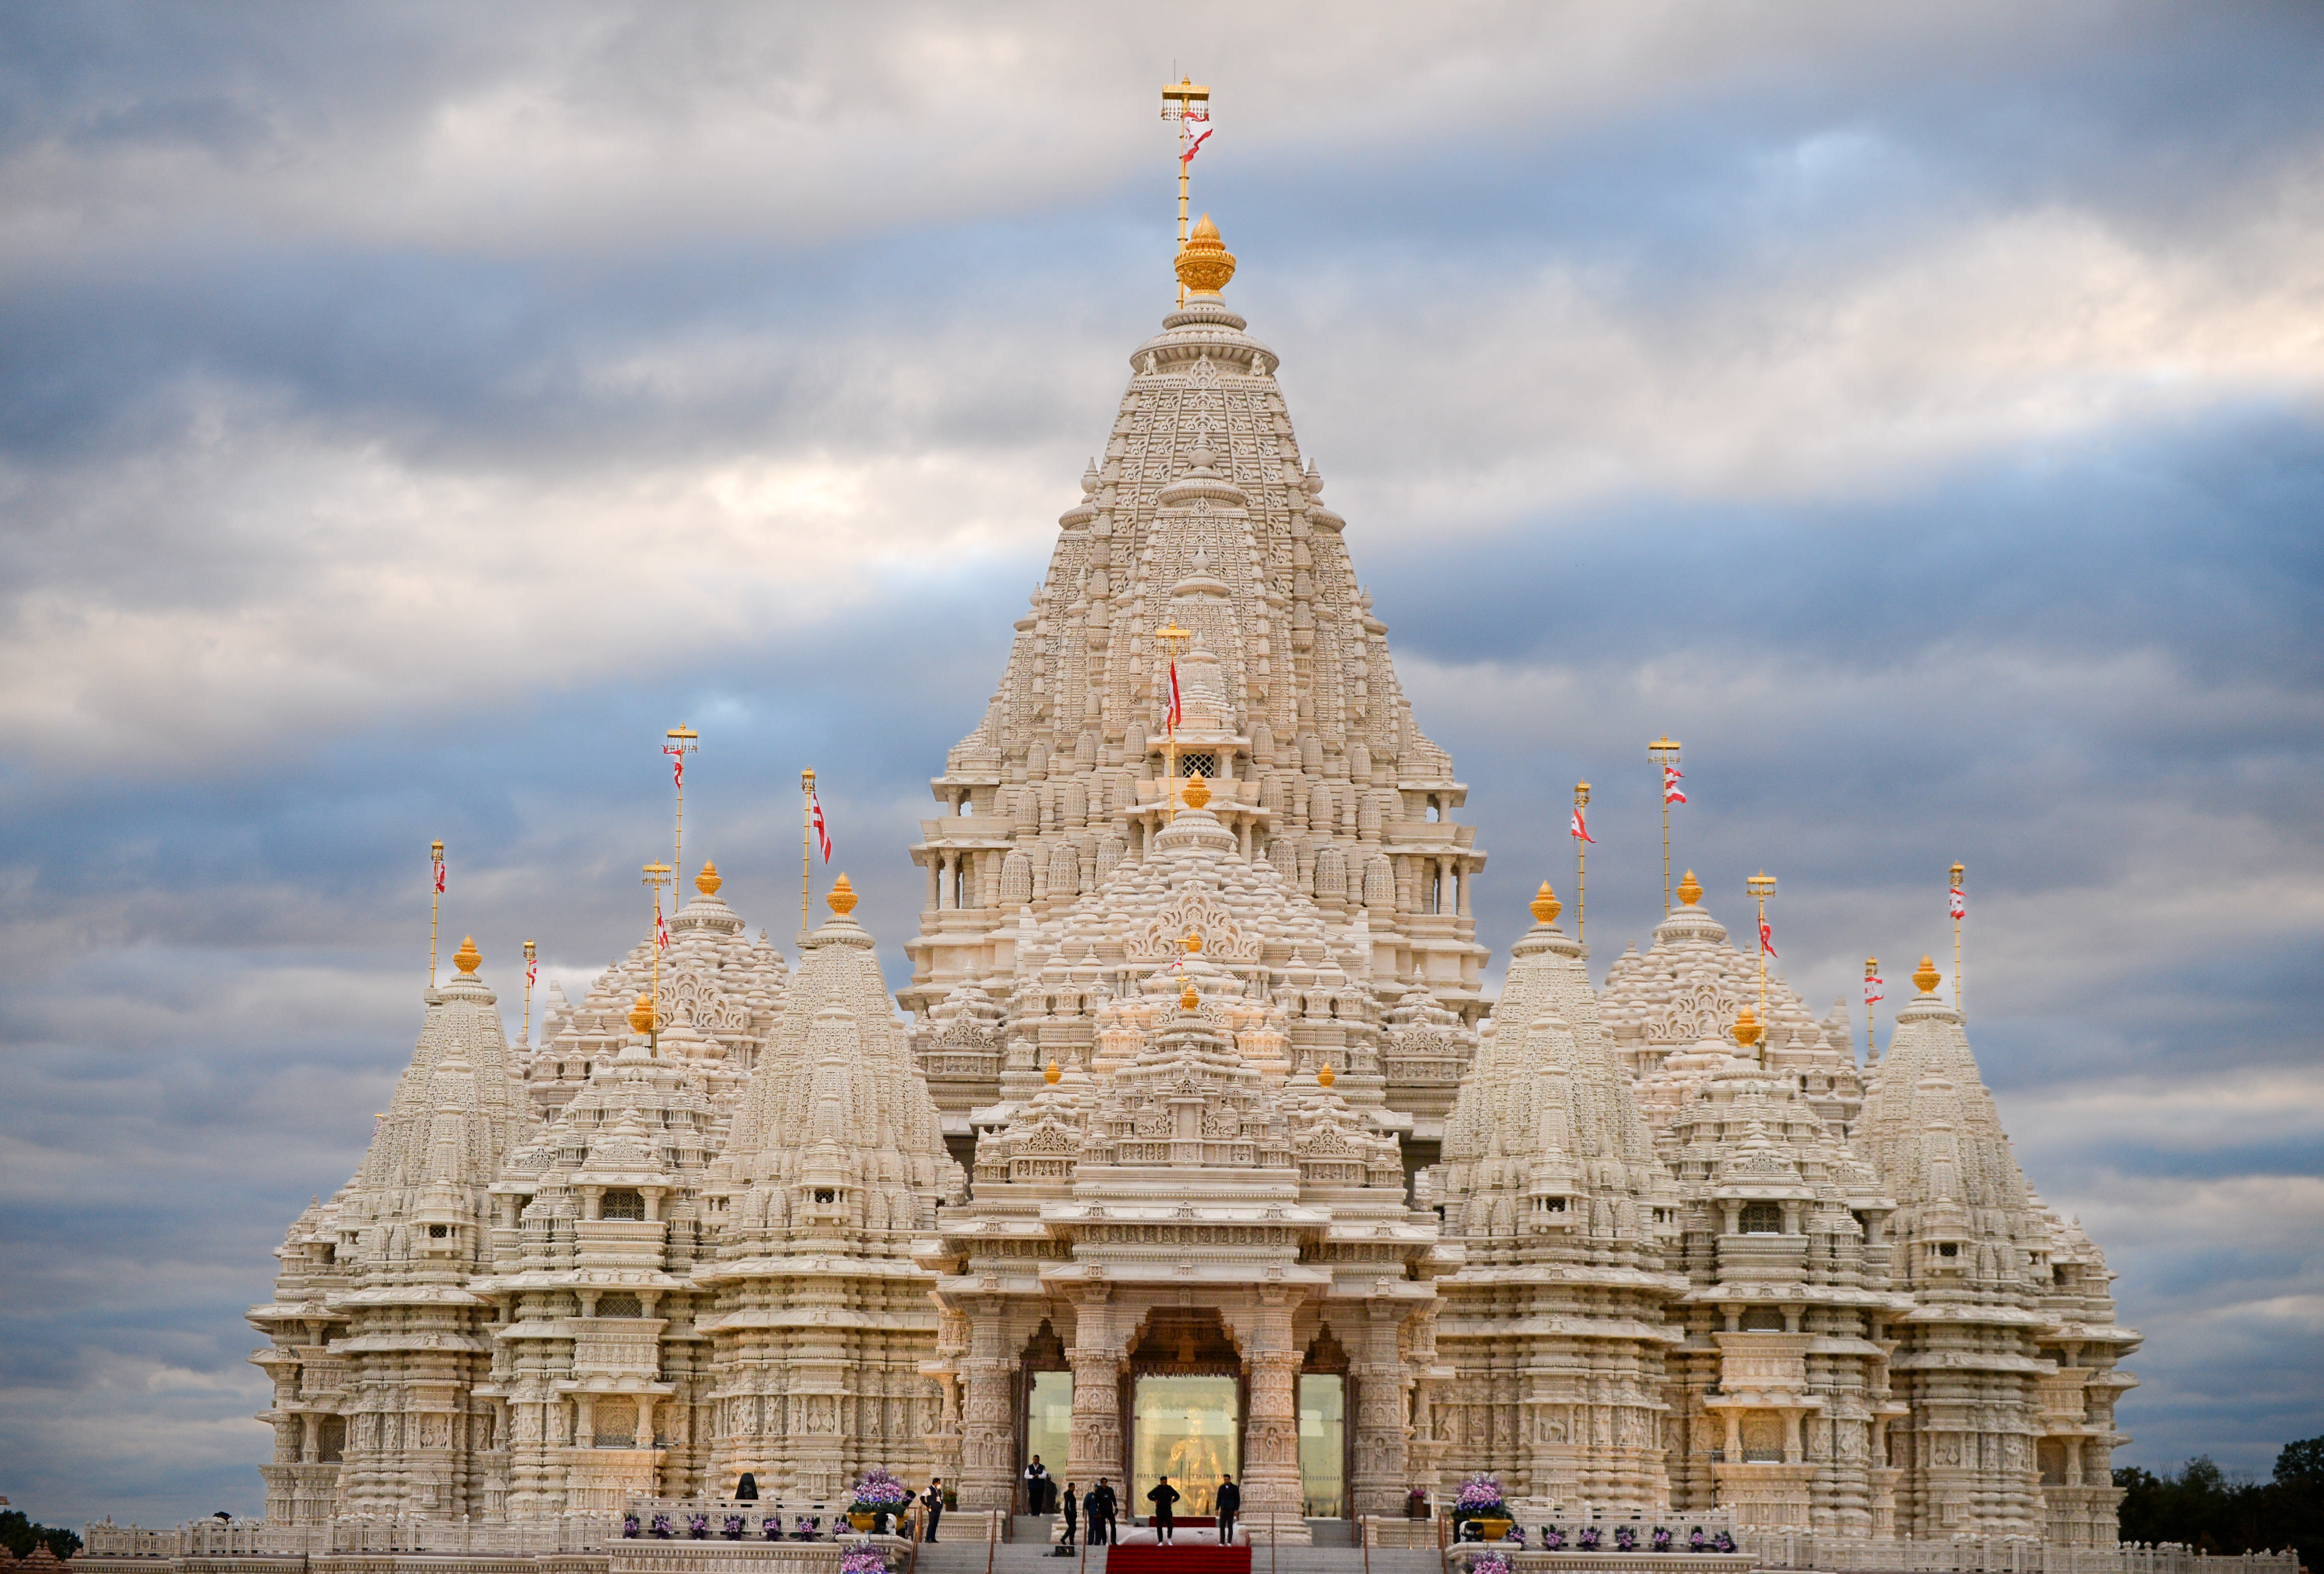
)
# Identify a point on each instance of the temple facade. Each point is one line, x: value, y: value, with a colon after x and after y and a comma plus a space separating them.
x: 1195, y: 1142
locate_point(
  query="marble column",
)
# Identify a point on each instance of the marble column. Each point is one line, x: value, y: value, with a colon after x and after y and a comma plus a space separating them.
x: 987, y: 1473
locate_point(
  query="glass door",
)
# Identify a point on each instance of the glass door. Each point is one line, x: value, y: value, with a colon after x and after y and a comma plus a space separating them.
x: 1323, y: 1444
x: 1189, y: 1429
x: 1048, y: 1427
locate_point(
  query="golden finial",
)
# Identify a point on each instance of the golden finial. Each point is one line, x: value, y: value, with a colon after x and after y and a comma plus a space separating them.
x: 1747, y: 1027
x: 707, y: 882
x: 1927, y: 976
x: 467, y: 959
x: 641, y: 1015
x: 1545, y: 905
x: 1325, y: 1076
x: 842, y: 898
x: 1189, y: 999
x: 1205, y: 265
x: 1196, y: 792
x: 1052, y: 1075
x: 1690, y: 890
x: 1193, y: 941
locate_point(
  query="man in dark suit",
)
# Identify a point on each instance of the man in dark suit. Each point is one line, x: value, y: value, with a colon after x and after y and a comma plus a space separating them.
x: 1230, y: 1504
x: 1164, y: 1498
x: 933, y: 1499
x: 1098, y: 1507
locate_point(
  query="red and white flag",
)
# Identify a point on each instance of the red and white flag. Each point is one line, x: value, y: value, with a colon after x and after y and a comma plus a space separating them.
x: 1959, y: 903
x: 1766, y: 938
x: 677, y: 764
x: 1670, y: 794
x: 1580, y: 830
x: 661, y: 929
x: 1872, y: 994
x: 1177, y: 707
x: 438, y: 856
x: 1196, y: 129
x: 531, y: 970
x: 822, y: 835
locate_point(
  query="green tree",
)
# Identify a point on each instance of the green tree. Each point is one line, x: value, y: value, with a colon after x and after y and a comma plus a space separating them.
x: 20, y: 1535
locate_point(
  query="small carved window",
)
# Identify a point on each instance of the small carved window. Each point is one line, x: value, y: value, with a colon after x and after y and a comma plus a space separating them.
x: 1549, y: 1204
x: 1204, y: 761
x: 1949, y: 1249
x: 624, y: 1204
x: 440, y: 1232
x: 620, y: 1304
x: 824, y: 1196
x: 1763, y: 1218
x: 1763, y: 1319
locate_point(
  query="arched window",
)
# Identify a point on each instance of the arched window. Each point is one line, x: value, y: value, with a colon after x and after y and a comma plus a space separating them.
x: 624, y: 1204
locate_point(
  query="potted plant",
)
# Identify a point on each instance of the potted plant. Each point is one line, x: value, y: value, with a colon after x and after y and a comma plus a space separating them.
x: 878, y: 1496
x: 1490, y: 1563
x: 863, y: 1558
x: 1480, y: 1503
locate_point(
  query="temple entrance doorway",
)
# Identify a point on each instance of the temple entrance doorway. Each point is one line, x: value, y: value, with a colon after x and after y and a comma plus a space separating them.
x: 1186, y: 1410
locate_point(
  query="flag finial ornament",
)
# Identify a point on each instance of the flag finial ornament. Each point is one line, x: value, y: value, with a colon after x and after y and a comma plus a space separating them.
x: 641, y: 1015
x: 1545, y: 905
x: 842, y: 898
x: 1690, y: 890
x: 1197, y: 792
x: 467, y: 959
x: 1747, y: 1027
x: 1052, y: 1075
x: 708, y: 881
x: 1926, y: 977
x: 1193, y: 941
x: 1188, y: 998
x: 1205, y: 265
x: 1325, y: 1076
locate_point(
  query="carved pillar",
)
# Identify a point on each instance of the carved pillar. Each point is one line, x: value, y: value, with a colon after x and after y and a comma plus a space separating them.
x: 987, y: 1473
x: 1095, y: 1449
x: 1382, y: 1441
x: 1270, y: 1464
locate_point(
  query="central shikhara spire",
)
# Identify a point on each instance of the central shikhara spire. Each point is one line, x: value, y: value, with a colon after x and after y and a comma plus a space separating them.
x: 1203, y: 515
x: 1196, y: 1082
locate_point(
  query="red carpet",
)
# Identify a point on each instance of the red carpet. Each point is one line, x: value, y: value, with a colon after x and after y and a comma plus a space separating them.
x: 1178, y: 1559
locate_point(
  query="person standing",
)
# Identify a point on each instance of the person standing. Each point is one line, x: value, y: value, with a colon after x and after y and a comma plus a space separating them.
x: 1162, y: 1498
x: 1067, y: 1505
x: 1230, y: 1504
x: 1037, y: 1486
x: 1099, y: 1507
x: 933, y: 1499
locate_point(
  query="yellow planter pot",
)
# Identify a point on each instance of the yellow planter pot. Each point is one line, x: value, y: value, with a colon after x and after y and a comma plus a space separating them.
x: 1492, y: 1530
x: 863, y: 1522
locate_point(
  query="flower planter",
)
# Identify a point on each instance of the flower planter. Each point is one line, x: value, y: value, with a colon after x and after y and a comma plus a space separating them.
x: 863, y: 1522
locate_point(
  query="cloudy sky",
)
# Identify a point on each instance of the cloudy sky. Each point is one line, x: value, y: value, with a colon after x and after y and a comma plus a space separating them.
x: 408, y: 412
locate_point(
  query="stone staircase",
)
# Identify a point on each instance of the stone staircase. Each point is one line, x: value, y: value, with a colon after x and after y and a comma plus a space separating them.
x: 1031, y: 1553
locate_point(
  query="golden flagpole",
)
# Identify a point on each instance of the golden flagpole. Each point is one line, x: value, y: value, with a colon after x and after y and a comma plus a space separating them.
x: 655, y: 873
x: 681, y: 744
x: 1953, y: 906
x: 1871, y: 977
x: 1177, y: 99
x: 525, y: 1038
x: 1762, y: 886
x: 1174, y: 641
x: 1581, y: 867
x: 807, y: 839
x: 435, y: 902
x: 1663, y: 752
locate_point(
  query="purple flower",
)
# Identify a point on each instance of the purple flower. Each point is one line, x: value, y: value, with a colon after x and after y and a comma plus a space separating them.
x: 863, y: 1558
x: 1662, y: 1538
x: 1491, y: 1563
x: 733, y: 1527
x: 660, y: 1526
x: 1625, y: 1540
x: 630, y: 1524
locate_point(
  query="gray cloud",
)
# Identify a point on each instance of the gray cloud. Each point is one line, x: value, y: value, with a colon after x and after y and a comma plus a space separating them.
x: 406, y: 413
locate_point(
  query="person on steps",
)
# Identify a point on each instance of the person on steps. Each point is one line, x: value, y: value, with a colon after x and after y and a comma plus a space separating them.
x: 1037, y: 1486
x: 1229, y: 1503
x: 1067, y: 1505
x: 934, y: 1500
x: 1098, y: 1508
x: 1162, y: 1498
